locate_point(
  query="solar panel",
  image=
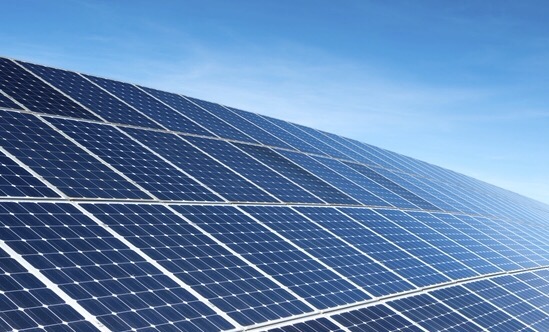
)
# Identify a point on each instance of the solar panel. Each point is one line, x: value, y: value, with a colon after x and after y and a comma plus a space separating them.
x: 125, y: 208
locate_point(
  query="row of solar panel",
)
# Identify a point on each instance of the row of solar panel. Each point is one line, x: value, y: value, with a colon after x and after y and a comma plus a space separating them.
x: 125, y: 103
x: 125, y: 292
x: 172, y: 167
x: 255, y: 263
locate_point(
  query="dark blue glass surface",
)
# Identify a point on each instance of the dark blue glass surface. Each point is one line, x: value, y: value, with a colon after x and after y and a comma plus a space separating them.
x: 375, y: 318
x: 287, y: 264
x: 317, y: 325
x: 208, y: 171
x: 5, y: 102
x: 36, y: 95
x: 261, y: 175
x: 201, y: 116
x: 59, y: 161
x: 348, y: 261
x: 149, y: 106
x: 141, y: 165
x: 230, y: 116
x: 91, y: 96
x: 111, y: 281
x: 227, y: 281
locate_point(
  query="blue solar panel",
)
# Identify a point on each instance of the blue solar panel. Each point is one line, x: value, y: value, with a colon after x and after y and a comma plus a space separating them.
x: 36, y: 95
x: 139, y: 164
x: 511, y: 304
x: 111, y: 281
x: 261, y: 175
x: 377, y: 238
x: 26, y: 303
x: 222, y: 277
x: 482, y: 313
x: 17, y: 182
x: 306, y: 180
x: 346, y: 260
x: 317, y: 325
x: 149, y: 106
x: 59, y: 161
x: 333, y: 178
x: 375, y: 318
x: 287, y: 264
x: 222, y: 180
x: 125, y: 208
x: 230, y: 116
x: 291, y: 140
x: 431, y: 314
x: 5, y: 102
x: 91, y: 96
x: 201, y: 116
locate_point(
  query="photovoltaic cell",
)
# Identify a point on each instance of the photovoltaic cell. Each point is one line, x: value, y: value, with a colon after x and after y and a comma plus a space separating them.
x: 139, y: 164
x: 60, y: 161
x: 27, y: 304
x: 375, y: 318
x: 222, y: 180
x: 93, y: 267
x: 35, y: 94
x: 230, y: 116
x: 321, y: 324
x: 377, y: 239
x: 287, y: 264
x: 349, y: 262
x: 200, y: 116
x: 424, y: 243
x: 17, y: 182
x: 335, y: 179
x: 297, y: 174
x: 263, y: 123
x: 91, y: 96
x: 431, y: 314
x: 227, y: 281
x: 149, y: 106
x: 254, y: 171
x: 478, y: 310
x: 5, y: 102
x: 511, y: 304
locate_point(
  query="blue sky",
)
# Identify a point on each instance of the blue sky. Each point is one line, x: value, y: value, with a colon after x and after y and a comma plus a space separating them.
x: 461, y: 84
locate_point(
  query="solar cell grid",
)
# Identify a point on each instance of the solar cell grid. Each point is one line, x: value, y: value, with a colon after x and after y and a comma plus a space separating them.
x: 376, y: 238
x: 432, y: 314
x: 91, y: 96
x: 59, y: 161
x: 111, y: 281
x: 200, y: 116
x: 321, y: 324
x: 332, y: 177
x: 476, y: 309
x: 289, y: 139
x: 230, y: 116
x: 208, y: 171
x: 149, y: 106
x: 261, y: 175
x: 297, y: 174
x: 423, y: 242
x: 26, y: 303
x: 511, y: 304
x: 287, y: 264
x: 227, y: 281
x: 139, y: 164
x: 36, y: 95
x: 348, y: 261
x: 17, y: 182
x: 375, y: 318
x: 5, y: 102
x: 527, y: 286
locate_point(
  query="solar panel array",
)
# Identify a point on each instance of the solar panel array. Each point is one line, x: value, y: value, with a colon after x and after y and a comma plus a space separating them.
x: 124, y: 208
